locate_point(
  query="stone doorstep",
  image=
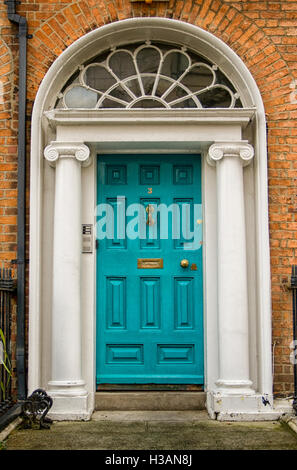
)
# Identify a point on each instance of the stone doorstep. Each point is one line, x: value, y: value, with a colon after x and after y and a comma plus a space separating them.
x: 185, y: 417
x: 150, y: 401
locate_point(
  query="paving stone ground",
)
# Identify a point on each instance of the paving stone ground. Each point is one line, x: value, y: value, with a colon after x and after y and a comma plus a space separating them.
x: 148, y: 431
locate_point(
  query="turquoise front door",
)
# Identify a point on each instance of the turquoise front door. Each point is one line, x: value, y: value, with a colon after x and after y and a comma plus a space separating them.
x: 149, y: 304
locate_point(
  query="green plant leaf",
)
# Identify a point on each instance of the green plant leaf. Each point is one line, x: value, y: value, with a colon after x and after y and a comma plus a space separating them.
x: 3, y: 389
x: 6, y: 361
x: 3, y: 339
x: 6, y: 368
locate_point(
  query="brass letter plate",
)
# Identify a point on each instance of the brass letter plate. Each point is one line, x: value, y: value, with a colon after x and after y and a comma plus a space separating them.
x: 150, y: 263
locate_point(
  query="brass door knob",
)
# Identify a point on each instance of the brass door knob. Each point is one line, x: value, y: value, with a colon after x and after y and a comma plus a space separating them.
x: 184, y: 263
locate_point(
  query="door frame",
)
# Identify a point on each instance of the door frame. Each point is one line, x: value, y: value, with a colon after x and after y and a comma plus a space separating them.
x: 186, y: 131
x: 169, y: 132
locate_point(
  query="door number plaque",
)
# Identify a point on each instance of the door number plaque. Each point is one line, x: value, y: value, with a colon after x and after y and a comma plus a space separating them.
x: 150, y: 263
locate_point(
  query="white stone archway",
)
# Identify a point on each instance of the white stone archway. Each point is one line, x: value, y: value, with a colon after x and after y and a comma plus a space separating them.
x: 236, y: 288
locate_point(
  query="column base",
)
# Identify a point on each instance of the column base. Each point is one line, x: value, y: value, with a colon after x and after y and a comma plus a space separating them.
x: 241, y: 407
x: 70, y: 401
x: 235, y: 387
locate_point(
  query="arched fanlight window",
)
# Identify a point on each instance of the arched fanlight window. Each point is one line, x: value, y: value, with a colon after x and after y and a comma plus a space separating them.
x: 148, y: 76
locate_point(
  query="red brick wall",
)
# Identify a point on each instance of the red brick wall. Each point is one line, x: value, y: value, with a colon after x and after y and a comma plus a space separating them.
x: 263, y: 33
x: 8, y: 169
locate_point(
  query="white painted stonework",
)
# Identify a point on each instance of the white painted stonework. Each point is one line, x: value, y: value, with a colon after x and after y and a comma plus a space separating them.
x: 66, y: 386
x: 234, y: 371
x: 237, y: 311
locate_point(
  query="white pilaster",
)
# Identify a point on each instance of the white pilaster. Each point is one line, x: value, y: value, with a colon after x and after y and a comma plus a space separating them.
x: 66, y: 386
x: 234, y: 391
x: 232, y: 270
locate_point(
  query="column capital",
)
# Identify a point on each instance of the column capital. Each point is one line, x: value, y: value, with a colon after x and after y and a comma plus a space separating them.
x: 241, y: 149
x: 77, y: 150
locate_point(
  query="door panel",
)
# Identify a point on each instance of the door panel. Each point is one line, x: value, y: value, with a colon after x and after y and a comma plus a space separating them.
x: 149, y: 308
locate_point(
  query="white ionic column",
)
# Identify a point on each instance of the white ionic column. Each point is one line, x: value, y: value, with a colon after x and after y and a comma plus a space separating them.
x: 229, y: 159
x: 66, y: 386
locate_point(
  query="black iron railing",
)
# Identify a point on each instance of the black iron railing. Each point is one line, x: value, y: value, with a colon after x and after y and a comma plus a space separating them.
x: 7, y: 287
x: 293, y: 286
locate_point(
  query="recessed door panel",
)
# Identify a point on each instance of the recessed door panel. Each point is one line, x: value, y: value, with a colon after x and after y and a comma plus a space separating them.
x: 150, y: 302
x: 116, y: 302
x: 184, y: 302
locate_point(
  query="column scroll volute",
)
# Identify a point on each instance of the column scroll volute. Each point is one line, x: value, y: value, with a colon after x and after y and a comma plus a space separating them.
x: 56, y: 150
x: 241, y: 149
